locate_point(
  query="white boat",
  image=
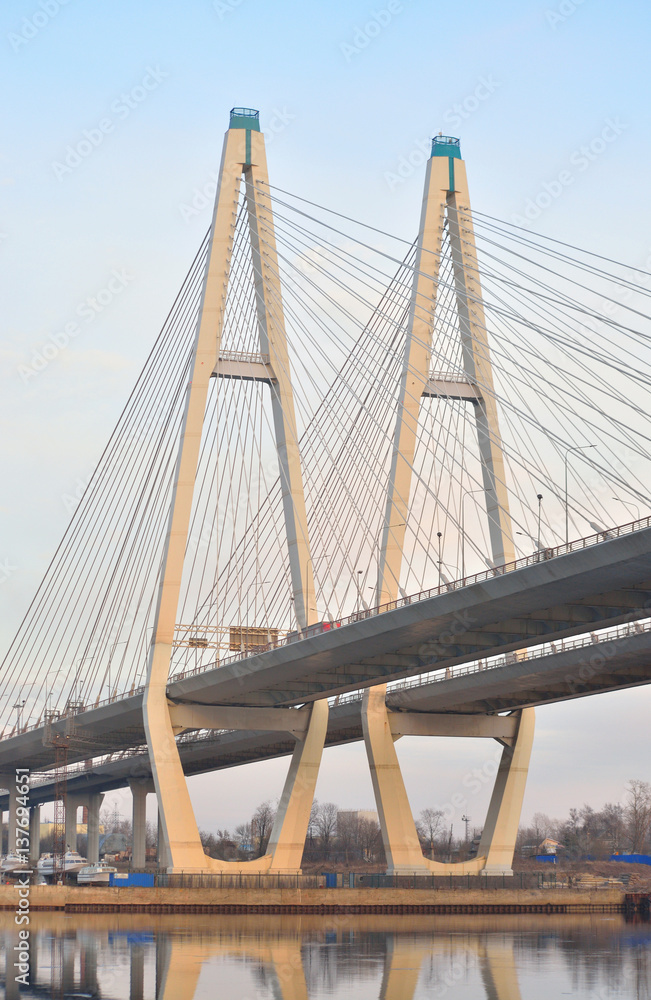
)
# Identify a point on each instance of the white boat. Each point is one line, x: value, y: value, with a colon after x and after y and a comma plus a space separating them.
x: 11, y: 862
x: 72, y: 862
x: 97, y: 874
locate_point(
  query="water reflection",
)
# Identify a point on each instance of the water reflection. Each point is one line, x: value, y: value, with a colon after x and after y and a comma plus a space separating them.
x: 255, y: 957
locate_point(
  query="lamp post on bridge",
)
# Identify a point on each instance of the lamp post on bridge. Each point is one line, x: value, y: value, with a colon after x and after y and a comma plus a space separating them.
x: 76, y: 702
x: 627, y: 503
x: 576, y: 448
x: 19, y: 711
x: 108, y: 669
x: 539, y: 495
x: 466, y: 493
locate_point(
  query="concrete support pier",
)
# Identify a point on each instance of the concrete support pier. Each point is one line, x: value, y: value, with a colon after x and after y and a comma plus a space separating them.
x: 139, y: 791
x: 8, y: 781
x: 34, y: 834
x: 72, y: 806
x: 95, y: 800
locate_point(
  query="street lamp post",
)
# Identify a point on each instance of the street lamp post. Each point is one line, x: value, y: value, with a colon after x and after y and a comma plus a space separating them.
x: 627, y: 503
x: 19, y: 711
x: 539, y: 495
x: 121, y: 642
x: 466, y: 819
x: 578, y: 447
x: 466, y: 493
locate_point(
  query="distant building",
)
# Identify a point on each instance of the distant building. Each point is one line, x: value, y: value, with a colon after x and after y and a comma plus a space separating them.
x: 48, y: 828
x: 346, y: 815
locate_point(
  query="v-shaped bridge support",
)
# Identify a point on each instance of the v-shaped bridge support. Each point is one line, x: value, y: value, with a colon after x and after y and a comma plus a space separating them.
x: 243, y: 161
x: 445, y: 199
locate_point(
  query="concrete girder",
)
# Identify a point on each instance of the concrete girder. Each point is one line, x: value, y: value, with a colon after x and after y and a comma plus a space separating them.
x: 199, y: 716
x: 431, y: 724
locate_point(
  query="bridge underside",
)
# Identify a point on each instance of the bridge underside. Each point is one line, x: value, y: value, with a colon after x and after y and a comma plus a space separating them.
x: 575, y: 673
x: 593, y: 588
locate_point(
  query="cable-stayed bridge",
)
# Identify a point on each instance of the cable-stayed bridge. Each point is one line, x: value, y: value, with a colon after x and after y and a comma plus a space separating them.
x: 328, y: 477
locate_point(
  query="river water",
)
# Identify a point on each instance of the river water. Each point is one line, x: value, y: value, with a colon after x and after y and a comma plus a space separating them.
x: 256, y: 957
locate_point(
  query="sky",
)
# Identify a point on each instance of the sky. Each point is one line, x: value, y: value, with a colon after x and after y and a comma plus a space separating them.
x: 113, y: 119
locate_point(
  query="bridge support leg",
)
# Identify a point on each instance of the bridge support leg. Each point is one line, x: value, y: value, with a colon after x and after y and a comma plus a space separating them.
x: 72, y: 805
x: 401, y: 844
x: 34, y: 834
x: 399, y: 836
x: 501, y: 827
x: 8, y: 781
x: 287, y: 840
x: 163, y: 854
x: 139, y: 790
x: 95, y: 800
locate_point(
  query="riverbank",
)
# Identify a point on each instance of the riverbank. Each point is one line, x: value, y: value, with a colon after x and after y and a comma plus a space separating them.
x: 106, y: 899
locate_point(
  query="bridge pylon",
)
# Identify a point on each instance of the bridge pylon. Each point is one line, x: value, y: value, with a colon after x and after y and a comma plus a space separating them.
x: 445, y: 207
x: 243, y: 167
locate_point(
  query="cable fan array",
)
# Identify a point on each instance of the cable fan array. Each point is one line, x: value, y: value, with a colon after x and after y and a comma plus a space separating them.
x: 569, y: 336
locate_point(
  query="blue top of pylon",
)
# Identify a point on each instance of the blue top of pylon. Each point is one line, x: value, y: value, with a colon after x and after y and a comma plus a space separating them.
x: 446, y: 145
x: 245, y: 118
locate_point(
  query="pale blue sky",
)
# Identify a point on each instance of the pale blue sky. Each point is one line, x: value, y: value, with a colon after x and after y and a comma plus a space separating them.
x: 535, y: 83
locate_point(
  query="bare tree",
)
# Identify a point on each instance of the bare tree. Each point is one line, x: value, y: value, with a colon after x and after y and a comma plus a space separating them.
x: 347, y: 833
x: 430, y: 828
x: 325, y: 824
x: 638, y: 813
x: 614, y: 826
x: 261, y: 825
x: 369, y: 839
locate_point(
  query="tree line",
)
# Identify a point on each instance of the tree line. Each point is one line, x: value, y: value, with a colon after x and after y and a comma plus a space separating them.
x: 617, y: 828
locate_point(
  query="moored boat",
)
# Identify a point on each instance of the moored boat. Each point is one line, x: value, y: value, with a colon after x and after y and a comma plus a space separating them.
x: 72, y: 862
x: 97, y: 874
x: 11, y: 862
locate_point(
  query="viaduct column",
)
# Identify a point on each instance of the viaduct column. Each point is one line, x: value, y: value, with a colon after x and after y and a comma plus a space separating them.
x: 34, y: 834
x: 139, y: 790
x: 95, y: 800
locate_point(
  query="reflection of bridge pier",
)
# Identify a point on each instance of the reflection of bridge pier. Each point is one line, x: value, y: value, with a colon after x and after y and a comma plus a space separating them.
x: 88, y: 982
x: 402, y: 966
x: 498, y: 971
x: 179, y: 962
x: 405, y: 956
x: 137, y: 971
x: 68, y: 955
x: 12, y: 988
